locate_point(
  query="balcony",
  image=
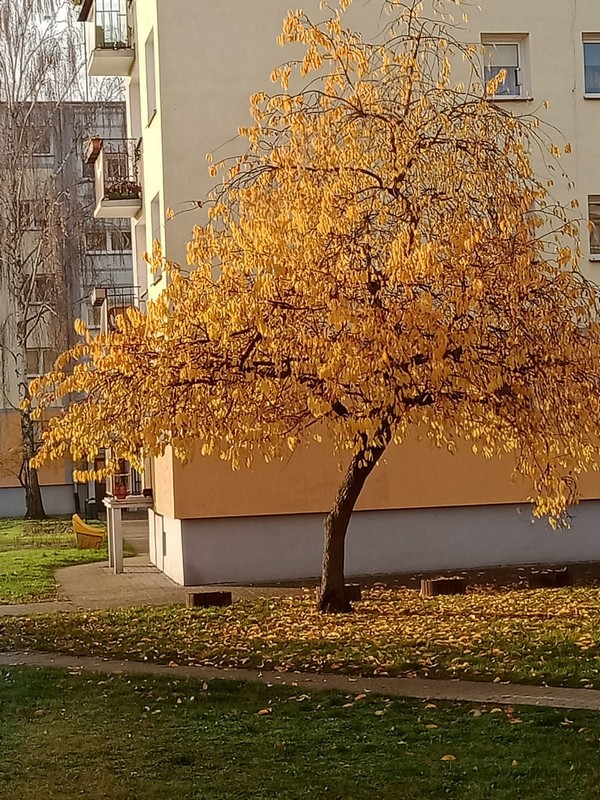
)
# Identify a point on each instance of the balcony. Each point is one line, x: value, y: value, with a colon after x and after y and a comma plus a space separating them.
x: 117, y: 177
x: 114, y: 301
x: 109, y: 37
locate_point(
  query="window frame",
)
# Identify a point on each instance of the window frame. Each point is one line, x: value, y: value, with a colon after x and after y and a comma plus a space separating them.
x: 39, y: 134
x: 40, y: 427
x: 93, y: 317
x: 151, y: 78
x: 588, y: 38
x: 593, y: 199
x: 43, y: 281
x: 156, y: 233
x: 107, y: 234
x: 520, y: 41
x: 35, y: 214
x: 120, y: 232
x: 45, y: 360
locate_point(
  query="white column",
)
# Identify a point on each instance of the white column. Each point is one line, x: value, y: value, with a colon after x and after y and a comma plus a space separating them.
x: 118, y: 540
x: 110, y: 525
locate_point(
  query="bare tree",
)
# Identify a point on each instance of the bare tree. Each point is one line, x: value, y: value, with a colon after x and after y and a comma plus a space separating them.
x: 41, y: 69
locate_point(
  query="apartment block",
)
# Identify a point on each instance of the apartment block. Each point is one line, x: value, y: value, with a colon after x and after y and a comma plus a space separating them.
x: 61, y: 253
x: 190, y: 68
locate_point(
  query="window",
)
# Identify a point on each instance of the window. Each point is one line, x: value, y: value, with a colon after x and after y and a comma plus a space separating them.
x: 156, y: 234
x: 94, y: 316
x: 116, y: 166
x: 33, y: 362
x: 107, y: 240
x: 33, y: 214
x: 41, y: 290
x: 504, y: 54
x: 150, y: 78
x: 39, y: 361
x: 38, y: 140
x: 591, y: 62
x: 594, y: 220
x: 140, y: 267
x: 120, y: 241
x: 40, y: 427
x: 96, y: 241
x: 111, y: 24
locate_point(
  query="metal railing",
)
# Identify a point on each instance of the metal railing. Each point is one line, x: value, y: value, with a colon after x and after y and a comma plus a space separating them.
x: 112, y: 28
x: 118, y: 170
x: 118, y: 300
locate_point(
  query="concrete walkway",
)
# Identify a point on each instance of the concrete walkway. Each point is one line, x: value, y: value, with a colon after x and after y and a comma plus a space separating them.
x: 95, y: 586
x: 467, y: 691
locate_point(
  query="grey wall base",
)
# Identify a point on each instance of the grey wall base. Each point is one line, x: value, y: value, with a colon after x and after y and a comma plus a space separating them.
x: 57, y: 500
x: 255, y: 549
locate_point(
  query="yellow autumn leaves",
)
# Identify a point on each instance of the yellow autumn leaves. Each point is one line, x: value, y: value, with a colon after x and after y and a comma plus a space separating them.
x: 525, y: 636
x: 378, y: 259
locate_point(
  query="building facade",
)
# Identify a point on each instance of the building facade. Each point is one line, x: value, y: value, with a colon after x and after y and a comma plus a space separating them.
x: 58, y: 253
x: 190, y: 69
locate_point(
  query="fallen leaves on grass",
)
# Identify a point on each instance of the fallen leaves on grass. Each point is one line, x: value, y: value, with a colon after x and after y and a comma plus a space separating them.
x: 529, y: 636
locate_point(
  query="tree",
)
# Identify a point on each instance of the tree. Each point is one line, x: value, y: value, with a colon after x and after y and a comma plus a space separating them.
x: 39, y: 72
x: 382, y: 259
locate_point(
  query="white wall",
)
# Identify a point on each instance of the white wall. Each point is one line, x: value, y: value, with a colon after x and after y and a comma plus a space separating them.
x: 288, y: 547
x: 166, y: 545
x: 57, y: 500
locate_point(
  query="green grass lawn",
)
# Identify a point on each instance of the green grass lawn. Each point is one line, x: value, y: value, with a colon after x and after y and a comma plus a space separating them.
x: 29, y: 554
x: 68, y: 736
x: 529, y: 636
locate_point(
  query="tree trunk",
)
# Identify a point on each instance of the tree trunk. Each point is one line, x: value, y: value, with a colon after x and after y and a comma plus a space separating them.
x: 34, y: 506
x: 332, y: 597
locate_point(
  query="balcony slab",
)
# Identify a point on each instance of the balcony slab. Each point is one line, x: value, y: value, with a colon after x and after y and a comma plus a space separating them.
x: 118, y: 209
x: 109, y: 62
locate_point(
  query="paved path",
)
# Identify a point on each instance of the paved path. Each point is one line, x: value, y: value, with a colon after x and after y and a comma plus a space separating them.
x: 95, y: 586
x: 28, y: 609
x: 469, y: 691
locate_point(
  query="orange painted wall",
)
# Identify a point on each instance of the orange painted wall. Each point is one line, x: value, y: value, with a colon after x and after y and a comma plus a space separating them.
x: 162, y: 485
x: 414, y: 475
x: 51, y: 474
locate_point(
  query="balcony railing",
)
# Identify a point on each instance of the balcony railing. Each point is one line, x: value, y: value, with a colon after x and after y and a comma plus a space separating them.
x: 117, y: 177
x: 114, y: 301
x: 109, y: 37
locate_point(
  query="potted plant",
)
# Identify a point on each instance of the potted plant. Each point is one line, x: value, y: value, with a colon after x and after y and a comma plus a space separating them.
x: 123, y: 190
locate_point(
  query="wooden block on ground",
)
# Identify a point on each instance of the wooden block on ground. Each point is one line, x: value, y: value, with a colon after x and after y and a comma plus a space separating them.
x: 206, y: 599
x: 353, y: 592
x: 550, y: 578
x: 432, y: 587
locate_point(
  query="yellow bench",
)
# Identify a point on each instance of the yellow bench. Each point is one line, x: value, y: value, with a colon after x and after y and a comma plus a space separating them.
x: 88, y: 538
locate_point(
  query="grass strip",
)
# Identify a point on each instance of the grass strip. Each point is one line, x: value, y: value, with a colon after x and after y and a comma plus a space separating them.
x: 31, y: 552
x: 69, y: 735
x: 537, y: 636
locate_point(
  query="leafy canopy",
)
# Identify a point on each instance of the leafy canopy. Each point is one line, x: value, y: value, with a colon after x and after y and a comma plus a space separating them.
x: 382, y: 258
